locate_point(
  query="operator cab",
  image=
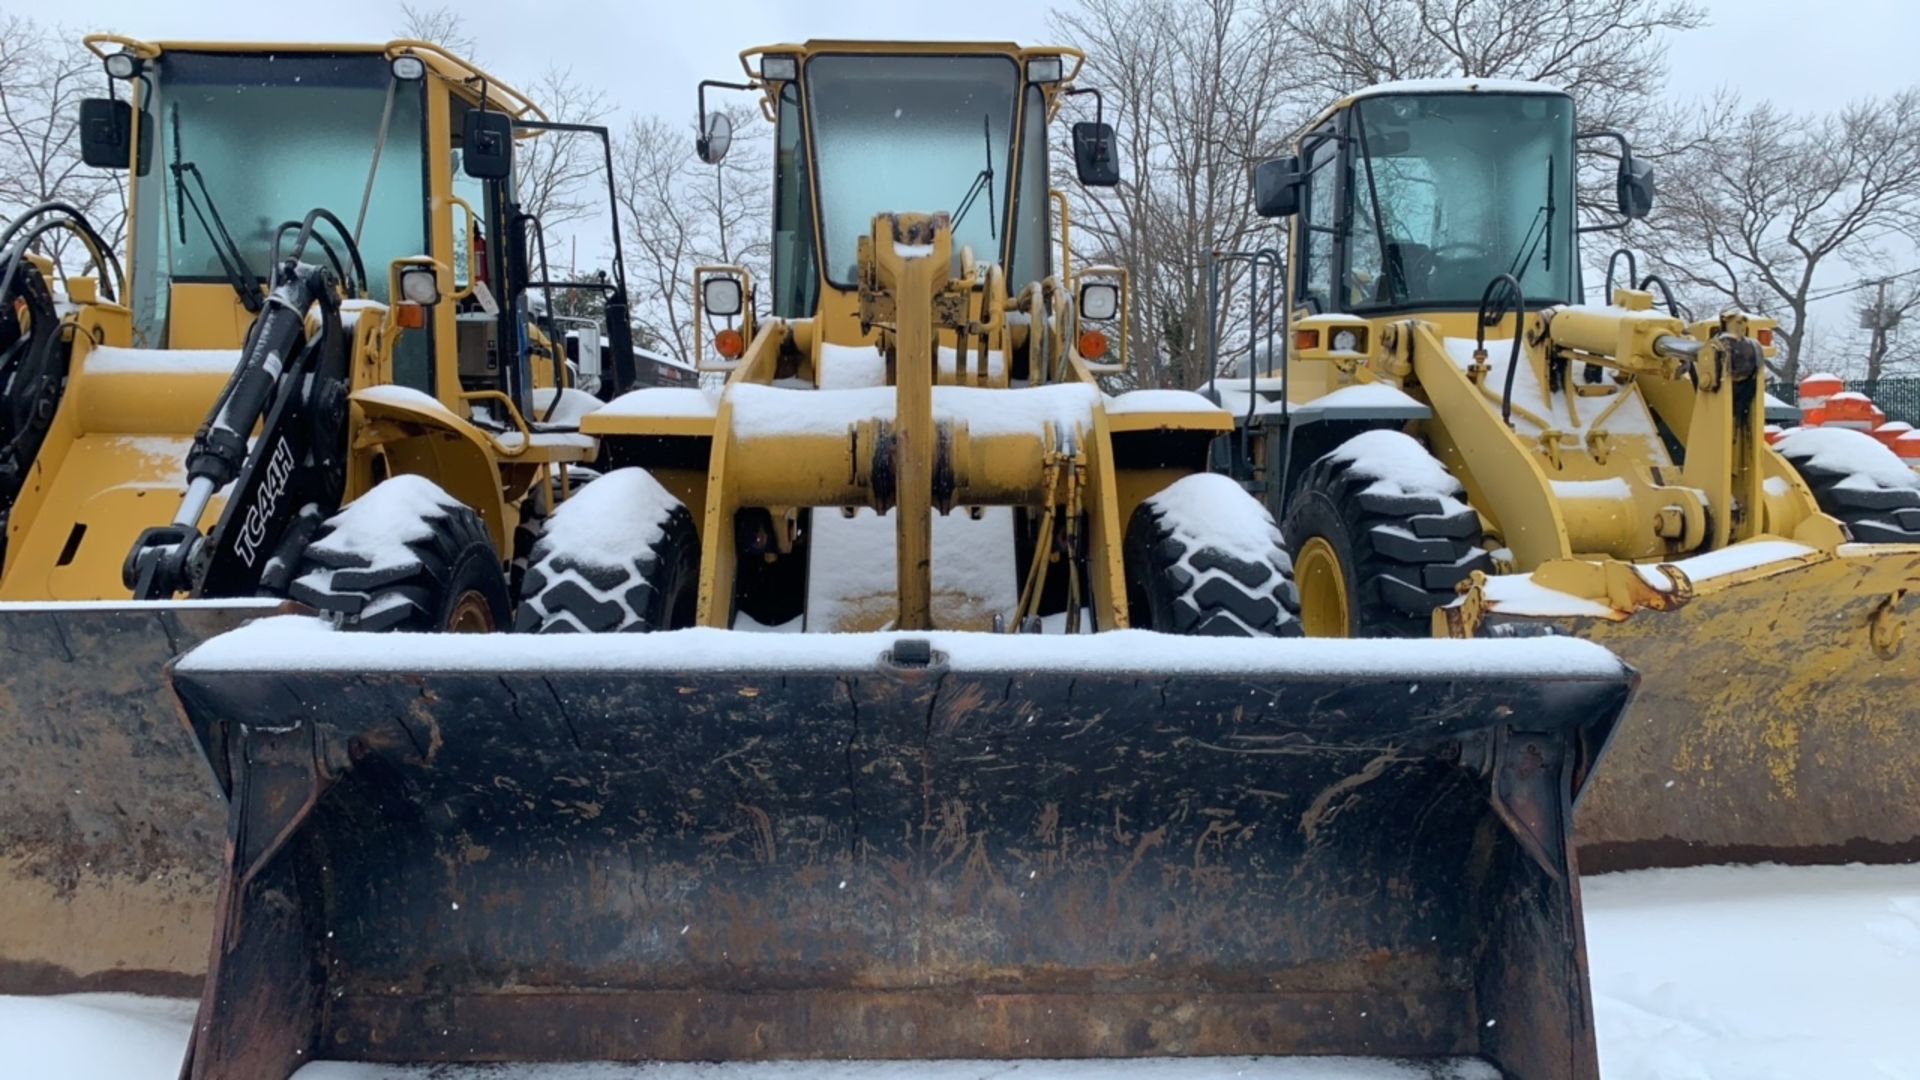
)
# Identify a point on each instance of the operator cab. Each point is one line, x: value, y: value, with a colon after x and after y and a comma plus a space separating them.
x: 1416, y: 196
x: 239, y: 145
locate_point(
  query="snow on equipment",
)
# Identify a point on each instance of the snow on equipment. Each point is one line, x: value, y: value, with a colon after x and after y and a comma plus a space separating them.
x: 175, y: 437
x: 984, y: 819
x: 1525, y: 463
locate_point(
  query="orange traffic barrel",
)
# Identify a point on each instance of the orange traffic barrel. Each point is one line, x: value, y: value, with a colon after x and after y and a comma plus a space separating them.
x: 1850, y: 409
x: 1891, y: 431
x: 1908, y: 447
x: 1815, y: 389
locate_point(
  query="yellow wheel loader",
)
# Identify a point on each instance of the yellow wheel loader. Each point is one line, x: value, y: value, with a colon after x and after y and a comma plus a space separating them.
x: 315, y: 378
x: 1457, y: 445
x: 908, y: 697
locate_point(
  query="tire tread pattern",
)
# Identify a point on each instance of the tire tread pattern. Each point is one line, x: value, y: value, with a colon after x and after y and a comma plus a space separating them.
x: 1198, y: 589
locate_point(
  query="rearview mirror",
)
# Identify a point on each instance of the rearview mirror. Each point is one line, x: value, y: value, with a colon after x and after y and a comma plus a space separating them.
x: 1099, y: 300
x: 716, y: 137
x: 1096, y: 154
x: 1635, y: 187
x: 486, y: 152
x: 722, y: 296
x: 1276, y: 187
x: 106, y: 134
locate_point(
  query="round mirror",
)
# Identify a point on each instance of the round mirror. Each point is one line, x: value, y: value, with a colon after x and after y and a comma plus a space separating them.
x: 714, y: 142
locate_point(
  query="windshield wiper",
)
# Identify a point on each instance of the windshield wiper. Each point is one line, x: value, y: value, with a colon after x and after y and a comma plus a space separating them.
x: 1530, y: 243
x: 1396, y: 283
x: 239, y: 274
x: 981, y: 182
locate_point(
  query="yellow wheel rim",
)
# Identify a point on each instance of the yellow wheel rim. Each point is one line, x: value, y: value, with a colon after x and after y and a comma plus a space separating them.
x: 1323, y: 590
x: 470, y: 615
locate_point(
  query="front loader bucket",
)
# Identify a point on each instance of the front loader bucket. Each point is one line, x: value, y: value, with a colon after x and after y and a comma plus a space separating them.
x: 110, y: 822
x: 1778, y: 720
x: 705, y: 845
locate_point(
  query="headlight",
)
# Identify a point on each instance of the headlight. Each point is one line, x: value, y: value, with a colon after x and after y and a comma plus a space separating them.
x: 779, y: 68
x: 420, y: 285
x: 1045, y: 69
x: 1099, y: 300
x: 123, y: 65
x: 722, y: 296
x: 409, y: 68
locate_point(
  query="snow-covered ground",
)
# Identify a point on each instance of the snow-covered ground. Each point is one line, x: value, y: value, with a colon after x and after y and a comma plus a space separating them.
x: 1757, y: 973
x: 1721, y: 973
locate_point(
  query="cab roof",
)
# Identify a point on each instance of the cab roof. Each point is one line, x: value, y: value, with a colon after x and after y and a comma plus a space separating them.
x: 440, y: 61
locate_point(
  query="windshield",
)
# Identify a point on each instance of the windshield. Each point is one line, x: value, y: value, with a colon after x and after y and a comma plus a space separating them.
x: 911, y: 134
x: 1451, y: 190
x: 271, y: 136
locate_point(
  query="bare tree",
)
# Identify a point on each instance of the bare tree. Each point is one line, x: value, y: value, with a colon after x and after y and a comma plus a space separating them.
x: 679, y: 213
x: 1199, y: 93
x: 1772, y: 200
x: 441, y: 26
x: 556, y: 175
x: 1883, y: 310
x: 1609, y: 54
x: 44, y: 73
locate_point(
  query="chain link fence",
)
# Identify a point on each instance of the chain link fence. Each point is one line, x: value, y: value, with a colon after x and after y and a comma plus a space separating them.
x: 1900, y: 397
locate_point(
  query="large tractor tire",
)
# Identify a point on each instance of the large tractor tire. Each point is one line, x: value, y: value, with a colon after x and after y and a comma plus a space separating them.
x: 1204, y: 558
x: 1855, y: 478
x: 33, y: 373
x: 621, y: 555
x: 406, y: 556
x: 1380, y: 538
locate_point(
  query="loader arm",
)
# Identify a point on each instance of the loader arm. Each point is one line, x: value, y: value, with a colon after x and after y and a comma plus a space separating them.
x: 294, y: 389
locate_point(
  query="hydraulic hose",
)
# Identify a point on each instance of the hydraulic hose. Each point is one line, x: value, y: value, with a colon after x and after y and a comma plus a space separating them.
x: 1517, y: 302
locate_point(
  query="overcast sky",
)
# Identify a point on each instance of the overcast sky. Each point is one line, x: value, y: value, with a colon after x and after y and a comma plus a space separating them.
x: 1803, y: 54
x: 1809, y: 55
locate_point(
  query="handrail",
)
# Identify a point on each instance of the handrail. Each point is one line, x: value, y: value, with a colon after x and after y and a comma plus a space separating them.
x: 513, y: 414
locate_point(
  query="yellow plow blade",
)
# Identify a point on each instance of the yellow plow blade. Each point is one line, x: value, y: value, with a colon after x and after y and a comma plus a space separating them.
x: 111, y: 825
x: 1778, y: 719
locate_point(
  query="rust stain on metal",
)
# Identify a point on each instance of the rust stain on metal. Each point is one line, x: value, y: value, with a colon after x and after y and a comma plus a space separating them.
x: 1327, y: 805
x: 110, y: 820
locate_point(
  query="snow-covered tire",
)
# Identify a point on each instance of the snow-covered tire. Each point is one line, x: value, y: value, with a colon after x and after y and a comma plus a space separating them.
x: 1380, y: 526
x: 405, y: 556
x: 532, y: 525
x: 621, y: 555
x: 1203, y: 557
x: 1855, y: 478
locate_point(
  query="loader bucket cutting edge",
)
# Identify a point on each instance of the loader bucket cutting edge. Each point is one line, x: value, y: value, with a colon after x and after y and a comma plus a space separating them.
x: 110, y: 823
x: 513, y: 851
x: 1775, y: 722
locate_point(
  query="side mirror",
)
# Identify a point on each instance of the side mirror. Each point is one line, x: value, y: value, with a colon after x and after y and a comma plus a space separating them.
x: 1635, y: 187
x: 486, y: 152
x: 1099, y: 300
x: 716, y: 138
x: 722, y: 296
x: 1096, y: 154
x: 106, y: 133
x: 1276, y: 187
x: 583, y: 348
